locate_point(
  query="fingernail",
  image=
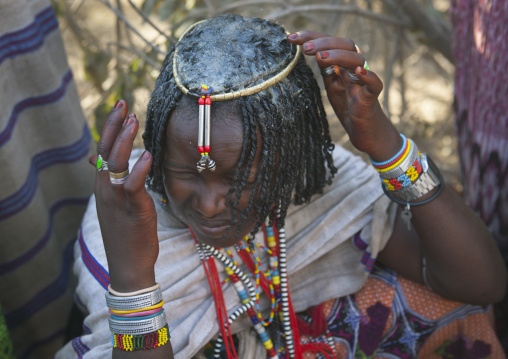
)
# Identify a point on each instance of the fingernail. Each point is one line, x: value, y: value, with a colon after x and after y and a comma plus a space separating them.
x: 293, y: 36
x: 145, y: 156
x: 308, y: 46
x: 129, y: 120
x: 364, y: 72
x: 118, y: 105
x: 324, y: 54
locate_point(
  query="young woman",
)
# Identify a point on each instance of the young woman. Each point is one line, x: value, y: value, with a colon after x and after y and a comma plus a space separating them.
x: 237, y: 145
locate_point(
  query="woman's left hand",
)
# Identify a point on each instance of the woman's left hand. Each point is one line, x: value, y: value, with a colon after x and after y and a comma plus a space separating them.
x: 354, y: 101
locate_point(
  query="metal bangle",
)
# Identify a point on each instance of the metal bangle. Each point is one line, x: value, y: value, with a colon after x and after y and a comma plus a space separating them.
x: 430, y: 179
x: 144, y: 326
x: 130, y: 294
x: 134, y: 302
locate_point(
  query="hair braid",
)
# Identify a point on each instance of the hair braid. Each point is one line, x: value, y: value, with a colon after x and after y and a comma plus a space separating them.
x: 289, y: 117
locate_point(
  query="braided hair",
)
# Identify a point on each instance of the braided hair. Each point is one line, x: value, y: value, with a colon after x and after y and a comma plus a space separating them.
x: 232, y: 53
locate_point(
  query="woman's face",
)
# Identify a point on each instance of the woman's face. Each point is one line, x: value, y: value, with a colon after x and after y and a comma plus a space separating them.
x: 199, y: 198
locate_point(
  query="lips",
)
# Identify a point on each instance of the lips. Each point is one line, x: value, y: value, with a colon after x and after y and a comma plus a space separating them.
x: 213, y: 228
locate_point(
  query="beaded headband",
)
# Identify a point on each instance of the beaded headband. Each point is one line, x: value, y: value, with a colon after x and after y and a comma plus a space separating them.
x: 205, y: 101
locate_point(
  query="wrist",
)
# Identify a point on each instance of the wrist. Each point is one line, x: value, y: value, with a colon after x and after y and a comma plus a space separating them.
x: 127, y: 281
x: 390, y: 145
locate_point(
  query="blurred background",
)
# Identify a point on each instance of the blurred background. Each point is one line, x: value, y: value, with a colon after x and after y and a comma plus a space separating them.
x: 116, y: 47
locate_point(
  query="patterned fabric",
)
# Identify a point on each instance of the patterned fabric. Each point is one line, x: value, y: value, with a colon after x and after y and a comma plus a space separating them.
x: 480, y: 51
x: 45, y: 178
x: 319, y: 246
x: 392, y: 317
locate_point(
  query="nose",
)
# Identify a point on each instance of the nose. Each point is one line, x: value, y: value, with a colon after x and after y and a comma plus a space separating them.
x: 210, y: 200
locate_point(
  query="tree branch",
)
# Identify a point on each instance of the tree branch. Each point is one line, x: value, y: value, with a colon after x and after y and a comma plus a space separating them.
x: 147, y: 19
x: 130, y: 26
x: 439, y: 40
x: 340, y: 8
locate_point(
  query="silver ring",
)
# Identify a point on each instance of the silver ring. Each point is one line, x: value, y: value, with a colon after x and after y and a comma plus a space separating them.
x: 353, y: 77
x: 102, y: 165
x: 328, y: 71
x: 121, y: 180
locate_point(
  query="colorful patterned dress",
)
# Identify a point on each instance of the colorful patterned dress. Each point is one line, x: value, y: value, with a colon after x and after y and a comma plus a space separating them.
x: 392, y: 317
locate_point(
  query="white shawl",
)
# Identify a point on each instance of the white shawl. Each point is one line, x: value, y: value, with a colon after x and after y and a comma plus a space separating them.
x: 322, y: 261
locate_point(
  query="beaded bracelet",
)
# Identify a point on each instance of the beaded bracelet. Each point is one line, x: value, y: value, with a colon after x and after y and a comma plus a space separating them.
x: 406, y: 179
x: 145, y: 341
x: 404, y: 164
x: 394, y: 158
x: 118, y: 317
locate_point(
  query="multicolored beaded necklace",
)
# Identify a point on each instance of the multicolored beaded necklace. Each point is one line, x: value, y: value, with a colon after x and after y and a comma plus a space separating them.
x: 273, y: 282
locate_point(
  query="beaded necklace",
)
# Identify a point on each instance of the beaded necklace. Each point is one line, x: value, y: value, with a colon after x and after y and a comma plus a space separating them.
x: 273, y: 282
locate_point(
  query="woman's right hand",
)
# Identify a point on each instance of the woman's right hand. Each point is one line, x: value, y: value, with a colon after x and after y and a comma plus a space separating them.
x: 126, y: 211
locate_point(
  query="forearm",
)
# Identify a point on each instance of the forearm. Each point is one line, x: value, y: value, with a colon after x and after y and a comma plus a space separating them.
x: 463, y: 261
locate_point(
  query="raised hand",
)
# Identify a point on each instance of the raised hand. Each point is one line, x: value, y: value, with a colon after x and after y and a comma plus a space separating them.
x: 353, y: 98
x: 126, y: 211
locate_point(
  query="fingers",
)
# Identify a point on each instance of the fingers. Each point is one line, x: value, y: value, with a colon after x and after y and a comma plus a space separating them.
x: 134, y: 187
x: 111, y: 128
x: 298, y: 38
x: 122, y: 147
x: 372, y: 83
x: 328, y: 50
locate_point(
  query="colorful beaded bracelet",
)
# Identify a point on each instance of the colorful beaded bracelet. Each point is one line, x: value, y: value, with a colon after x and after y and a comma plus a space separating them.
x: 145, y: 341
x: 143, y: 317
x: 397, y: 163
x: 395, y: 158
x: 406, y: 179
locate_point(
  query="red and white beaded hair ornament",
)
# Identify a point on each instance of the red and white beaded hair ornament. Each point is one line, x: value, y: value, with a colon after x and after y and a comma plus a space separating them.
x: 206, y: 98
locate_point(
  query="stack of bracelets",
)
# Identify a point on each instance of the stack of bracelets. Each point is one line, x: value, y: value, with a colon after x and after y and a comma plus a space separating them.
x: 137, y: 319
x: 408, y: 176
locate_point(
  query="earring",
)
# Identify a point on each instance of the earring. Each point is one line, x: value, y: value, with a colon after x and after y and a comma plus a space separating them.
x: 164, y: 201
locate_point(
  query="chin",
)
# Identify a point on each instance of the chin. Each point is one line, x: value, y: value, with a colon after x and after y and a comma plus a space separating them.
x: 220, y: 237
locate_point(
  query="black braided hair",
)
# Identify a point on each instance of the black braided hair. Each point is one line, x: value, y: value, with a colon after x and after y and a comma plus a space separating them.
x: 231, y: 53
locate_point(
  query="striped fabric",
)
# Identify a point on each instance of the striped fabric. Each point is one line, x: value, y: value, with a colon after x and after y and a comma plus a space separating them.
x: 45, y: 178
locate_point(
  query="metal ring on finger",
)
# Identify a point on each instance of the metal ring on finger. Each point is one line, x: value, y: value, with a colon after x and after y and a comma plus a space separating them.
x: 328, y: 70
x: 353, y: 76
x: 365, y: 65
x: 102, y: 165
x: 118, y: 178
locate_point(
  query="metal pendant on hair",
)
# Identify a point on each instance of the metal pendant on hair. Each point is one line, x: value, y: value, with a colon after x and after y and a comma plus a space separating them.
x: 206, y: 162
x: 205, y: 104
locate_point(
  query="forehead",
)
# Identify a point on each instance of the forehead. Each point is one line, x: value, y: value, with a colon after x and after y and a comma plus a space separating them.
x: 226, y: 136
